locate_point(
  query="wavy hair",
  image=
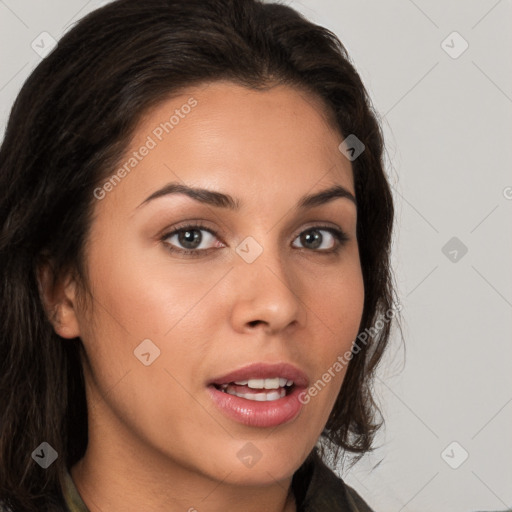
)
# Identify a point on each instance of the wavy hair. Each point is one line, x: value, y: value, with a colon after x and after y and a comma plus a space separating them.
x: 70, y: 125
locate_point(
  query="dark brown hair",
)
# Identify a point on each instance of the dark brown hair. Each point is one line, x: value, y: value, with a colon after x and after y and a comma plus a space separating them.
x: 68, y: 129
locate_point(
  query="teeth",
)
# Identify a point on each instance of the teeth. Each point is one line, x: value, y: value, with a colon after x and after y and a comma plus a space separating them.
x: 259, y: 397
x: 273, y: 383
x: 256, y: 383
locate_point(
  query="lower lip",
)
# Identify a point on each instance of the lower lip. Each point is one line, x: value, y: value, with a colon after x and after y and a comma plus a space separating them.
x: 258, y: 414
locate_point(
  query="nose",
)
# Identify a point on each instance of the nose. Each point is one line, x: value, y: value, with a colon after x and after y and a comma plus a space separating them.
x: 267, y: 295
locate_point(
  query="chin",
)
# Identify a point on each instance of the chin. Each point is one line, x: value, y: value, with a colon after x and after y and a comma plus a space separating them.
x: 260, y: 475
x: 259, y: 462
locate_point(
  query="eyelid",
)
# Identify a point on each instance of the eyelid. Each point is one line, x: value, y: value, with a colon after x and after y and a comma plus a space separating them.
x: 182, y: 226
x: 318, y: 224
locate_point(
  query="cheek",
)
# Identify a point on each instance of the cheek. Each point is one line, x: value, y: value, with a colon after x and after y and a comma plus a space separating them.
x: 138, y: 309
x: 139, y: 292
x: 338, y: 306
x: 337, y: 299
x: 138, y: 297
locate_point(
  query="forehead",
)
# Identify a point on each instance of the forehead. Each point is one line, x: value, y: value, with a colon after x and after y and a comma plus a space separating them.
x: 221, y: 135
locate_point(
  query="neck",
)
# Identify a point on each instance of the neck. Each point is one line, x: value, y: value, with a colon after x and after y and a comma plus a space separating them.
x: 118, y: 490
x: 123, y: 473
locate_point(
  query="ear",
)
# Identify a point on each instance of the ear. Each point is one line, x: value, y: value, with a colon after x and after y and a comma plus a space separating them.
x: 59, y: 300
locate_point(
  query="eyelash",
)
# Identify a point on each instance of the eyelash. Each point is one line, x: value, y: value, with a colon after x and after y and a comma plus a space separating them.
x: 340, y: 236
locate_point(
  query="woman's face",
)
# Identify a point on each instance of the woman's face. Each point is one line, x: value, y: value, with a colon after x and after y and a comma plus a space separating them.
x: 266, y: 283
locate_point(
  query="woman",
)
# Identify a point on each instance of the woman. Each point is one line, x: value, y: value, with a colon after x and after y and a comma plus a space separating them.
x: 195, y: 237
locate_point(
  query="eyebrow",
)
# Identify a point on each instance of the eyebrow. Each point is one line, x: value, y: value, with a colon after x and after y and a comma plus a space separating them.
x: 221, y: 200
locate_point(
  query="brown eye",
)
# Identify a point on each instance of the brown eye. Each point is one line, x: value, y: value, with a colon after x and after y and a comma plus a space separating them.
x: 316, y: 240
x: 190, y: 240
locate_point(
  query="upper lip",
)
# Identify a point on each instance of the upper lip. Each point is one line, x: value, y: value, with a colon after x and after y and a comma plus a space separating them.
x: 264, y: 371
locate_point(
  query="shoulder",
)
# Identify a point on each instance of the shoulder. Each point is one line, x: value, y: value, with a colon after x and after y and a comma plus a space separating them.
x: 357, y: 503
x: 318, y: 488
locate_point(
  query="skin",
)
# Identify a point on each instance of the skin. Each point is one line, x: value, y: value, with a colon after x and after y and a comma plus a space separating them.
x: 156, y: 440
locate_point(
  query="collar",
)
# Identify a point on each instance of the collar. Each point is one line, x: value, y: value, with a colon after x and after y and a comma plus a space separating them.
x: 72, y: 498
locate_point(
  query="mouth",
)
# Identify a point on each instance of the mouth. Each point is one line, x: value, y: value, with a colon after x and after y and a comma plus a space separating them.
x: 260, y: 395
x: 259, y: 390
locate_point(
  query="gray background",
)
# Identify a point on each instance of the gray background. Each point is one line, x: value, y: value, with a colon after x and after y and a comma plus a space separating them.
x: 447, y: 123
